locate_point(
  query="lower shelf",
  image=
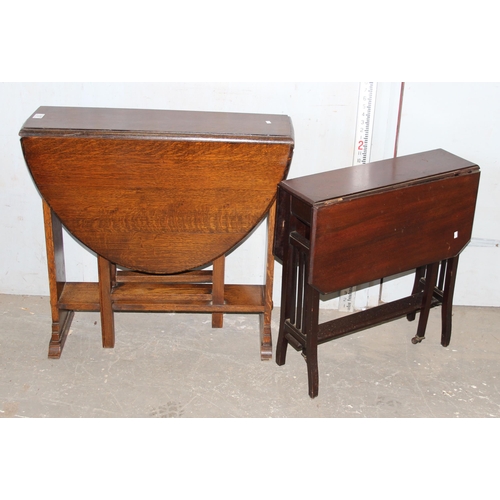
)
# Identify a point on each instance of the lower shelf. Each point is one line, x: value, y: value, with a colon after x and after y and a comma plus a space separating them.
x: 159, y: 297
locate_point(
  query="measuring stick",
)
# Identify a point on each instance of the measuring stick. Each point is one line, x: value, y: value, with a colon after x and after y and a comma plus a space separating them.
x: 362, y: 149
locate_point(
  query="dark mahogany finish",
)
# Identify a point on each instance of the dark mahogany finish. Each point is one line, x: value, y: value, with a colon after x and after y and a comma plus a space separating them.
x: 354, y: 225
x: 160, y: 194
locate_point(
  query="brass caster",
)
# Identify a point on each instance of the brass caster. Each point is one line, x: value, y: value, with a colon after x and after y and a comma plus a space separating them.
x: 417, y: 339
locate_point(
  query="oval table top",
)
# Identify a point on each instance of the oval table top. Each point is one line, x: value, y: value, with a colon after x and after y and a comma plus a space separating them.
x: 157, y: 191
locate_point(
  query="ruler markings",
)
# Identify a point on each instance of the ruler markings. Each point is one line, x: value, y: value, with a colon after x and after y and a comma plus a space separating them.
x: 362, y: 149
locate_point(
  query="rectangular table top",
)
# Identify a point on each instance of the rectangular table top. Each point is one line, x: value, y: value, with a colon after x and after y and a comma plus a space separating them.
x: 139, y: 123
x: 358, y: 179
x: 371, y: 221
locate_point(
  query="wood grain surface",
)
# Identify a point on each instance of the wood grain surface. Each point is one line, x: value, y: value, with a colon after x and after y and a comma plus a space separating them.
x: 161, y: 204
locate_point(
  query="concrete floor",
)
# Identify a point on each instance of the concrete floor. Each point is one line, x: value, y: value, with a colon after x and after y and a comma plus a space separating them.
x: 176, y: 365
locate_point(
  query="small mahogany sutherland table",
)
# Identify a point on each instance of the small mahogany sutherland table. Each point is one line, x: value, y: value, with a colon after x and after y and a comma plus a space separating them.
x: 354, y: 225
x: 158, y: 196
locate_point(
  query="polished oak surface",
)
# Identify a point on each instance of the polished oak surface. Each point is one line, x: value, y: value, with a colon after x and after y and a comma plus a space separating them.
x: 156, y: 195
x: 157, y: 191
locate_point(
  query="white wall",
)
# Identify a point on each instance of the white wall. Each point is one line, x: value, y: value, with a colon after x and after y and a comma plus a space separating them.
x: 462, y: 119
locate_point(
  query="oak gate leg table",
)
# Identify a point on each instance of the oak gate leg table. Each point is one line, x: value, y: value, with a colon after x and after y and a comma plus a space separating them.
x: 158, y: 196
x: 354, y: 225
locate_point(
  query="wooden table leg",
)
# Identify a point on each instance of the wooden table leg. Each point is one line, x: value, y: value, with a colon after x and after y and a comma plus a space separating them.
x: 282, y: 343
x: 419, y: 274
x: 288, y: 298
x: 430, y: 283
x: 218, y: 289
x: 310, y: 329
x: 107, y: 273
x: 61, y: 318
x: 448, y: 290
x: 266, y: 342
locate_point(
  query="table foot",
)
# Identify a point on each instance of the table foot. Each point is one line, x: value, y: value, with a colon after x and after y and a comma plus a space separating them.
x: 281, y: 348
x: 312, y: 376
x: 417, y: 339
x: 266, y: 345
x: 59, y: 334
